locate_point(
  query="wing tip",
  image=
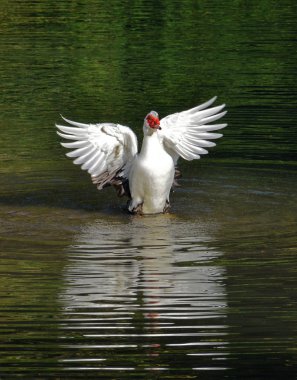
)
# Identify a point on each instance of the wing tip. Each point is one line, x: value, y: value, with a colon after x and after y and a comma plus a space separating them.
x: 64, y: 118
x: 58, y: 126
x: 75, y: 123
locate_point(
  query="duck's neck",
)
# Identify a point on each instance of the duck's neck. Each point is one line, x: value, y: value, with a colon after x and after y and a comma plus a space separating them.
x: 150, y: 144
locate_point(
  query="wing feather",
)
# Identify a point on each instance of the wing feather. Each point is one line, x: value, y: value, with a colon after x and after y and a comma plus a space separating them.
x: 90, y: 162
x: 105, y: 150
x: 72, y: 131
x: 76, y: 144
x: 208, y: 136
x: 212, y: 118
x: 96, y: 168
x: 71, y: 137
x: 194, y: 148
x: 203, y: 143
x: 83, y: 158
x: 206, y: 128
x: 79, y: 152
x: 187, y: 133
x: 207, y: 112
x: 75, y: 123
x: 201, y: 106
x: 182, y: 151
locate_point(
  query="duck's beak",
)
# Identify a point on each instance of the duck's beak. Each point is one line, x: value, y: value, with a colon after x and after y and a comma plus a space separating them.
x: 156, y: 126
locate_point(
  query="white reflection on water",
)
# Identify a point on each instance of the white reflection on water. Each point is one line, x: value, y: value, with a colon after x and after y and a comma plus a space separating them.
x: 147, y: 281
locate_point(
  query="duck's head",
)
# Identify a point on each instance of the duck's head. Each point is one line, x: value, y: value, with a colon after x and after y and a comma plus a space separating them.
x: 151, y: 122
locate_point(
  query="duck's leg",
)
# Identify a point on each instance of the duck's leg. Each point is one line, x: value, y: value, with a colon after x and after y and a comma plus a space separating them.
x: 177, y: 175
x: 166, y: 207
x: 135, y: 207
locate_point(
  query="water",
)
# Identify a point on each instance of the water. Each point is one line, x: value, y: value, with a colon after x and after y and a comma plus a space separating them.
x: 206, y: 292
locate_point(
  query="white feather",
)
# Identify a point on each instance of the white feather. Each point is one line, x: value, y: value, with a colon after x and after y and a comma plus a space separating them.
x: 208, y: 112
x: 108, y: 151
x: 76, y: 144
x: 80, y: 125
x: 201, y: 106
x: 79, y: 152
x: 82, y: 159
x: 90, y: 162
x: 213, y: 118
x: 100, y: 148
x: 96, y: 167
x: 185, y: 132
x: 72, y: 130
x: 207, y: 128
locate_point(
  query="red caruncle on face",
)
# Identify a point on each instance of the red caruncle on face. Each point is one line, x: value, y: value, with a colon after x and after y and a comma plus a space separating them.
x: 153, y: 121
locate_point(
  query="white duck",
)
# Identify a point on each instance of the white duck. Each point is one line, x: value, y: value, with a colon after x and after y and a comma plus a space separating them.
x: 109, y: 153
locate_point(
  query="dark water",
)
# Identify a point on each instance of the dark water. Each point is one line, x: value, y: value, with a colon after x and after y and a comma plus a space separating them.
x: 206, y: 292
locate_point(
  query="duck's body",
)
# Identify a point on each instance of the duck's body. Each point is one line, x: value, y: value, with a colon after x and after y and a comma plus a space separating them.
x: 109, y: 153
x: 151, y: 177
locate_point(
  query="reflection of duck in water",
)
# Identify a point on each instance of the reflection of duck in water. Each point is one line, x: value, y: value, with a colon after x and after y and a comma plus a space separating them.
x: 152, y: 258
x: 138, y: 283
x: 109, y: 153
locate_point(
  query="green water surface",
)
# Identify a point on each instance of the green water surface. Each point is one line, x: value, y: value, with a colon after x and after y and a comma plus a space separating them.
x: 206, y: 292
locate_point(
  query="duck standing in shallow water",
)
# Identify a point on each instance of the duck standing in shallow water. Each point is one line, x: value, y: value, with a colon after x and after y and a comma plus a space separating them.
x: 109, y: 152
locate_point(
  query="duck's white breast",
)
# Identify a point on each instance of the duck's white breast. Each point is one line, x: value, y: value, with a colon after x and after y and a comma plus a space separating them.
x: 151, y: 178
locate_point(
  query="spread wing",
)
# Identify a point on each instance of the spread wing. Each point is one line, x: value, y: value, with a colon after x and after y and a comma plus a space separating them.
x: 187, y: 134
x: 105, y: 150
